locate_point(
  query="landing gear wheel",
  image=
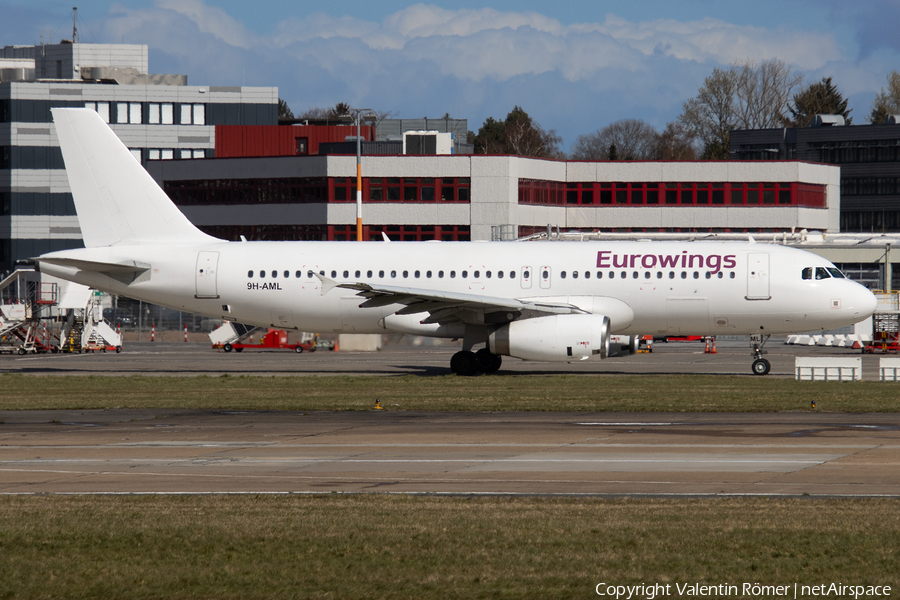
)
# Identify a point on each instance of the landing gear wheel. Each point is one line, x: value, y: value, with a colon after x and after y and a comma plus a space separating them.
x: 227, y: 347
x: 487, y: 361
x: 464, y: 363
x: 761, y: 367
x: 298, y: 349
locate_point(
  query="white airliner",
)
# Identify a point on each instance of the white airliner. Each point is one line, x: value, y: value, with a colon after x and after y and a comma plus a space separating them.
x: 533, y: 301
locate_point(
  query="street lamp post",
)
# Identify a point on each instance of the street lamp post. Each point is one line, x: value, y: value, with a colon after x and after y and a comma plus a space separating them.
x: 370, y: 116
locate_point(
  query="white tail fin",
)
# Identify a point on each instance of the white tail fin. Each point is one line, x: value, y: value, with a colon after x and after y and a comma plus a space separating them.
x: 116, y: 199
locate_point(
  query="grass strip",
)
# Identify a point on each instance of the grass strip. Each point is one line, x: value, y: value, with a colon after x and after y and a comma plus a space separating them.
x: 667, y: 393
x: 404, y: 547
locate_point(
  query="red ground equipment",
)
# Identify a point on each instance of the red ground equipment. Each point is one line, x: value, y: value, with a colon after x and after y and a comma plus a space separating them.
x: 276, y: 339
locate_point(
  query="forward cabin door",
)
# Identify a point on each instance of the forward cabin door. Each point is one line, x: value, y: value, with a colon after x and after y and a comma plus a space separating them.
x: 207, y: 265
x: 758, y: 276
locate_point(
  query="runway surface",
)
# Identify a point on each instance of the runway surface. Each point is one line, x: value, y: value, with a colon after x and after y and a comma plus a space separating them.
x: 147, y: 451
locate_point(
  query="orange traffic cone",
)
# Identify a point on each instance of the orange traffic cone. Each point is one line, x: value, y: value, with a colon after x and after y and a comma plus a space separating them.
x: 711, y: 345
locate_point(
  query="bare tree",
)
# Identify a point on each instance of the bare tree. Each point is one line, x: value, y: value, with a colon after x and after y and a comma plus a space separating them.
x: 710, y: 116
x: 744, y: 96
x: 675, y: 143
x: 320, y: 113
x: 887, y: 102
x: 762, y: 93
x: 633, y: 139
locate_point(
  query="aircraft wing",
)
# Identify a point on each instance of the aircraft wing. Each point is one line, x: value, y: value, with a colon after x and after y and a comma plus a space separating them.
x: 449, y: 307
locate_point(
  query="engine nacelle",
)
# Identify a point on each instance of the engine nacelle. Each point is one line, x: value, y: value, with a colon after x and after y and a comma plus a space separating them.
x: 562, y: 338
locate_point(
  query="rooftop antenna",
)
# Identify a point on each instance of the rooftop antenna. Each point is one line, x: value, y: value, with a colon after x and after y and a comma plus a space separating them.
x: 74, y: 26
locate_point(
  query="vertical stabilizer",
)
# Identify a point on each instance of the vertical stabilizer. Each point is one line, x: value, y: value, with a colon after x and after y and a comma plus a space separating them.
x: 116, y: 199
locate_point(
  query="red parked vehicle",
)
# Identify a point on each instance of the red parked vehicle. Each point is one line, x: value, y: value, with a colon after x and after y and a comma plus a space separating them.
x: 274, y: 339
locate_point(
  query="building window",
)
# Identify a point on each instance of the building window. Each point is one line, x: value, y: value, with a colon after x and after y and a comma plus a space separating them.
x: 536, y: 191
x: 199, y: 114
x: 303, y: 146
x: 294, y: 190
x: 407, y: 233
x: 289, y: 233
x: 412, y: 189
x: 102, y: 109
x: 692, y: 194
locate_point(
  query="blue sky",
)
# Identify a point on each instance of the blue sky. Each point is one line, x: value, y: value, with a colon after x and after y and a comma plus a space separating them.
x: 575, y: 66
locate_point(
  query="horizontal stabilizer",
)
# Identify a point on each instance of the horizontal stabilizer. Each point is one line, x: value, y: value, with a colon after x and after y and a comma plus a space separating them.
x: 127, y: 268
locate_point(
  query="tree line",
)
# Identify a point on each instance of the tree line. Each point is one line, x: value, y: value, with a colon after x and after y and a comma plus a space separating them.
x: 745, y: 95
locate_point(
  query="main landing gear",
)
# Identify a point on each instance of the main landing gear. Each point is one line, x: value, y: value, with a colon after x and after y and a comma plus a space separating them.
x: 760, y: 366
x: 466, y: 362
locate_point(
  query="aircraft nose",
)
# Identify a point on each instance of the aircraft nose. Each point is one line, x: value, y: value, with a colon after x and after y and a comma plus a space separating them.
x: 864, y: 302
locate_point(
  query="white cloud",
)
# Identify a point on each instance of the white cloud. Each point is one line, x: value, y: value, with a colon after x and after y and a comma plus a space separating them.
x: 478, y: 62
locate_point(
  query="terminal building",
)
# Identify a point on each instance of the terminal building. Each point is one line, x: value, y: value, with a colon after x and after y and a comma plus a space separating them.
x: 157, y: 116
x: 868, y: 155
x: 478, y: 197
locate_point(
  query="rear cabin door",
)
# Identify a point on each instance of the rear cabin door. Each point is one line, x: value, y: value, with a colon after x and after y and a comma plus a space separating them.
x: 758, y: 276
x: 207, y: 265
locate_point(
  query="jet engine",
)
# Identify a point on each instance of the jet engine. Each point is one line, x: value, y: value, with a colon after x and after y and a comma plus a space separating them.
x: 561, y: 338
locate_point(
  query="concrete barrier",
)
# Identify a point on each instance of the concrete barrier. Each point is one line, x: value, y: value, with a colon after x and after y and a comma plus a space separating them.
x: 889, y: 369
x: 357, y: 342
x: 816, y: 368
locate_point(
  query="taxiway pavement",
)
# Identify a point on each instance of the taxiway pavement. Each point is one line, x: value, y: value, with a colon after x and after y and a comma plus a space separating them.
x: 152, y: 451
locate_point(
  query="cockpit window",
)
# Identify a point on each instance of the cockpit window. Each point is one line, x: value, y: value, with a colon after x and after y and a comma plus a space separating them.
x: 836, y: 273
x: 807, y: 272
x: 822, y: 273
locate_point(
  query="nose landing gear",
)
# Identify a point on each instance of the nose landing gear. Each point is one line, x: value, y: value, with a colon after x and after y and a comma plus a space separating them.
x: 760, y: 366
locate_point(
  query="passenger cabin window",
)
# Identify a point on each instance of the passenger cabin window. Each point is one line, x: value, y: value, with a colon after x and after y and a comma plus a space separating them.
x: 822, y: 273
x: 249, y: 273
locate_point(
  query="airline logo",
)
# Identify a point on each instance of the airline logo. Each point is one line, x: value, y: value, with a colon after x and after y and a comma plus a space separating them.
x: 606, y: 259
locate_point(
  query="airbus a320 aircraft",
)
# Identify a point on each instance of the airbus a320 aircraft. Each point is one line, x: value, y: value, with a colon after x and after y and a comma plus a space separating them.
x: 533, y: 301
